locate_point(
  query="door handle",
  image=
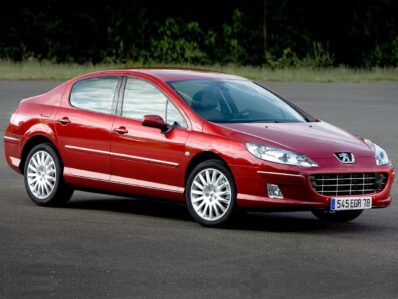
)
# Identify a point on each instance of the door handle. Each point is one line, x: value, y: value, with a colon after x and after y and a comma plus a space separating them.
x: 121, y: 130
x: 64, y: 121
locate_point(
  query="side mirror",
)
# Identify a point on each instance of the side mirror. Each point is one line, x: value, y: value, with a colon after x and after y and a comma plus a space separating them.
x: 156, y: 121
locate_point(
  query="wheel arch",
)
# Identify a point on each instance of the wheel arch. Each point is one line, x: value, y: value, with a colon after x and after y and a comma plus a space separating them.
x: 31, y: 143
x: 202, y: 157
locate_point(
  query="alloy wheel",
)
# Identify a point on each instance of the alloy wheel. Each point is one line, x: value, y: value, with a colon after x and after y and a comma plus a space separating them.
x: 211, y: 194
x: 41, y: 174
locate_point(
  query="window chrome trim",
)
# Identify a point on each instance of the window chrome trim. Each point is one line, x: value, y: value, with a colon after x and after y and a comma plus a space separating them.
x: 279, y: 173
x: 174, y: 164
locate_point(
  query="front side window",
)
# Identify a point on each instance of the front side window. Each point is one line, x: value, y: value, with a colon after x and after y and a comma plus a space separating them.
x: 174, y: 117
x: 94, y: 94
x: 142, y: 98
x: 239, y: 101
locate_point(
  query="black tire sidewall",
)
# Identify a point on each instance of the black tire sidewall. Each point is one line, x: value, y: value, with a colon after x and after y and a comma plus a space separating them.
x: 220, y: 166
x: 52, y: 198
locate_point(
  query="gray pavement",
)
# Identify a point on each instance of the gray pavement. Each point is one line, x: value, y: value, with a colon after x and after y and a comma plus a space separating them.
x: 103, y: 246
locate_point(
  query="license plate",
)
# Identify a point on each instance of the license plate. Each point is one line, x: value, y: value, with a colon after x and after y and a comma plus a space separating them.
x: 350, y: 203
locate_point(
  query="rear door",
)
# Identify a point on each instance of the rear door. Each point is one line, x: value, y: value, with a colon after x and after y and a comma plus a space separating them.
x: 83, y: 125
x: 143, y: 156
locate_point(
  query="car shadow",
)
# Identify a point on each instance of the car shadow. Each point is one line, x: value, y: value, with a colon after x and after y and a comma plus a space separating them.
x: 289, y: 222
x: 253, y: 221
x: 138, y: 206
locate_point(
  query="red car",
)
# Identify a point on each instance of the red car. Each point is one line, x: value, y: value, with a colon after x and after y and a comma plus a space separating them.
x: 216, y: 141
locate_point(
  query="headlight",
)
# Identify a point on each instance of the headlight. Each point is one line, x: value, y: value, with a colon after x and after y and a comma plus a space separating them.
x: 380, y: 154
x: 277, y: 155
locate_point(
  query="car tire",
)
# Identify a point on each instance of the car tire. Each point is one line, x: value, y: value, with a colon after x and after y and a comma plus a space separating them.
x: 43, y: 177
x: 210, y: 194
x: 337, y: 216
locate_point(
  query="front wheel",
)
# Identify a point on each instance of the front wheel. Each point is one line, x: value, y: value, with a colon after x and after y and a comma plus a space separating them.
x: 43, y: 177
x: 211, y: 193
x: 336, y: 216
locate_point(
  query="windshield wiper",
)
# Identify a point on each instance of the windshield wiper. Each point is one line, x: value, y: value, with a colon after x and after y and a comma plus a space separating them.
x: 246, y: 121
x: 263, y: 121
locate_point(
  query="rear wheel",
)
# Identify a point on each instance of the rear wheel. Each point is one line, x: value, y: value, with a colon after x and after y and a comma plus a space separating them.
x: 211, y: 193
x: 336, y: 216
x: 43, y: 177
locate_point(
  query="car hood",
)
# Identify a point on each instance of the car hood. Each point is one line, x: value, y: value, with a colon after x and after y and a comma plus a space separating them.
x: 315, y: 139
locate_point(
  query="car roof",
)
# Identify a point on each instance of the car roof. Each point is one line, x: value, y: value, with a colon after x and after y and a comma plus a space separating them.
x: 170, y: 74
x: 173, y: 74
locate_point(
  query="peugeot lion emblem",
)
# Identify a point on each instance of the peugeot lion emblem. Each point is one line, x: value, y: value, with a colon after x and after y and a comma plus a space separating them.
x: 345, y: 158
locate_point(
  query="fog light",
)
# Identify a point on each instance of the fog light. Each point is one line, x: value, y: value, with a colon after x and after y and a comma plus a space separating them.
x: 274, y: 191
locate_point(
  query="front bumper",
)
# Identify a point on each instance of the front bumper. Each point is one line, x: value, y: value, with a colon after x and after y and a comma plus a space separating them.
x: 296, y: 187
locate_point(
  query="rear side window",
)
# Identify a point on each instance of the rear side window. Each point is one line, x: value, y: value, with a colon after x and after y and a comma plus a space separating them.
x: 94, y: 94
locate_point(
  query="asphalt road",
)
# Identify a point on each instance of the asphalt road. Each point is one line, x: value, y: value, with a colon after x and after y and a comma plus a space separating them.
x: 102, y: 246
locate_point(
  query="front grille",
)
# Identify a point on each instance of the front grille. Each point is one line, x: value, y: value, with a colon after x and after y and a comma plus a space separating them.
x: 340, y: 184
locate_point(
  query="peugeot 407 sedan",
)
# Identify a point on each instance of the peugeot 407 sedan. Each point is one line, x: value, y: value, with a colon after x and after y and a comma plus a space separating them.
x: 216, y: 141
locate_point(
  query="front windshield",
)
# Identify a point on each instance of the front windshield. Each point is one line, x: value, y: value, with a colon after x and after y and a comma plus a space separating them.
x: 234, y: 101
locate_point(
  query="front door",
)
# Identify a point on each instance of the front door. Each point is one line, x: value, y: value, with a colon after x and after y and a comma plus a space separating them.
x: 143, y: 156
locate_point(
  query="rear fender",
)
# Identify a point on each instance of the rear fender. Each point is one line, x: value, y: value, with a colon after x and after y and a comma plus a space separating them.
x: 37, y: 130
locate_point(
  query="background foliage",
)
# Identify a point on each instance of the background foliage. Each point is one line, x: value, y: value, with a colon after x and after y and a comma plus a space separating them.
x: 300, y: 33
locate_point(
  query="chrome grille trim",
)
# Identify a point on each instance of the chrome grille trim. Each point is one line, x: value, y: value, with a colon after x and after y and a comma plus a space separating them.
x: 348, y: 183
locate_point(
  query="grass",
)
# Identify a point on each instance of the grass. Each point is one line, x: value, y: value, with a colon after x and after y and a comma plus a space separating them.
x: 35, y: 70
